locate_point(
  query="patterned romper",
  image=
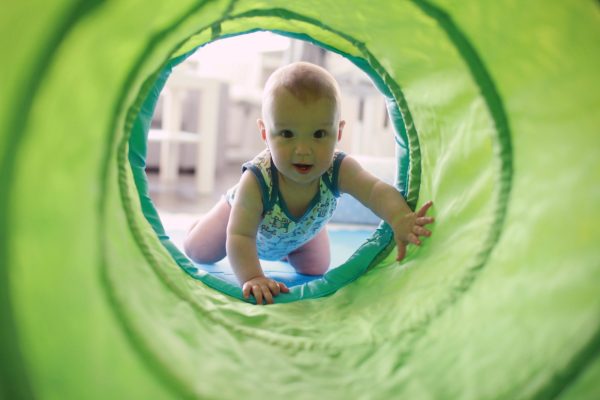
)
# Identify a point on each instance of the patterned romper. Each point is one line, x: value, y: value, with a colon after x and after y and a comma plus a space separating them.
x: 279, y: 232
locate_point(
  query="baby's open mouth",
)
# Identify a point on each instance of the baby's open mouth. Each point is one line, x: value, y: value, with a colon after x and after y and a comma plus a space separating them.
x: 302, y: 168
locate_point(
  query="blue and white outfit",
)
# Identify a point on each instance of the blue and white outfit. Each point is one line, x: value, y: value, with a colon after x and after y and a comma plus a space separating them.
x: 279, y: 232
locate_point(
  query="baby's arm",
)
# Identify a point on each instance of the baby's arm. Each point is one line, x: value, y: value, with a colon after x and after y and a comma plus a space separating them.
x: 385, y: 201
x: 241, y: 242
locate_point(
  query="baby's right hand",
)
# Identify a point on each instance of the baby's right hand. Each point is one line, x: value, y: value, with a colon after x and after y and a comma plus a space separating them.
x: 262, y: 287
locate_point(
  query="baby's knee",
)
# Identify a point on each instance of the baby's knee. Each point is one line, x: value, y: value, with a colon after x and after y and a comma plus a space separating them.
x: 202, y: 254
x: 310, y: 266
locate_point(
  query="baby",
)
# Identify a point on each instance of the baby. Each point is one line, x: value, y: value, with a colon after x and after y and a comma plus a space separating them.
x: 287, y: 193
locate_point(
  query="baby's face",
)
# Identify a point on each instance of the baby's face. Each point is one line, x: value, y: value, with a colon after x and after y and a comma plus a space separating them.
x: 301, y: 135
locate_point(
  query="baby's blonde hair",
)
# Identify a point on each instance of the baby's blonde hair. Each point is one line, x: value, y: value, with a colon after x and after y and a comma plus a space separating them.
x: 305, y: 81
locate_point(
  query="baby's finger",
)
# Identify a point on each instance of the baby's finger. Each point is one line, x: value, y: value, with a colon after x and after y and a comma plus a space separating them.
x: 246, y: 290
x: 267, y: 294
x: 283, y: 287
x: 424, y: 220
x: 420, y: 231
x: 401, y: 251
x: 414, y: 239
x: 423, y: 210
x: 257, y: 292
x: 274, y: 288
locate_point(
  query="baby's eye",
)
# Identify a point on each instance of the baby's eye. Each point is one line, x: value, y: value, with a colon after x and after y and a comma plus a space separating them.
x: 286, y: 134
x: 321, y: 133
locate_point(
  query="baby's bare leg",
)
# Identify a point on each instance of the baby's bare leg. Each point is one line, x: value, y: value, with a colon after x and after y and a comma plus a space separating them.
x: 205, y: 242
x: 312, y: 258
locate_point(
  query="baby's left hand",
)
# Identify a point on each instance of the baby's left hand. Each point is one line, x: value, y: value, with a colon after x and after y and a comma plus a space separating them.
x: 409, y: 227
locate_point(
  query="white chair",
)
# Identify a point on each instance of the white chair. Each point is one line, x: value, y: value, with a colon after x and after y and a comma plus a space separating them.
x: 171, y: 133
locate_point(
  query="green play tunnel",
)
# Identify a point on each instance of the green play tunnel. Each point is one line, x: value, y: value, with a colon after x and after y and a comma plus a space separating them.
x: 497, y: 107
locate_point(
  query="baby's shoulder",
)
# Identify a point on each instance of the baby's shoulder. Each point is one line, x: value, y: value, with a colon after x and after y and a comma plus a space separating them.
x: 350, y: 174
x: 248, y: 191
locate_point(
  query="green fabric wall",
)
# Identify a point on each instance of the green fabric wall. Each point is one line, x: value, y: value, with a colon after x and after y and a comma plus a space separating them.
x: 502, y: 301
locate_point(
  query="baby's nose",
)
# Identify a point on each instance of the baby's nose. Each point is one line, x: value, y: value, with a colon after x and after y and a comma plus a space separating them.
x: 302, y: 148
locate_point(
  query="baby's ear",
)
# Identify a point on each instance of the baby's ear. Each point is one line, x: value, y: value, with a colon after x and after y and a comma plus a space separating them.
x: 340, y: 129
x: 262, y: 129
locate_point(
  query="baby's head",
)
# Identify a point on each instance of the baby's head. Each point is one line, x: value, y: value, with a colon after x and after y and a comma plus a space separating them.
x: 301, y: 120
x: 305, y: 81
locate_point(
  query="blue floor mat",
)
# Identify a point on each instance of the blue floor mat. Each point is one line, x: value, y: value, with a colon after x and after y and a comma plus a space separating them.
x: 344, y: 243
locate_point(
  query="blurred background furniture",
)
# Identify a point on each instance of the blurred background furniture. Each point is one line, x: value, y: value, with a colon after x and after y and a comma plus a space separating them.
x: 189, y: 116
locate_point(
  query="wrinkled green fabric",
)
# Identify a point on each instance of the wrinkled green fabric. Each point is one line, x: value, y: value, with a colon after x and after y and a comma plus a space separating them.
x: 500, y: 101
